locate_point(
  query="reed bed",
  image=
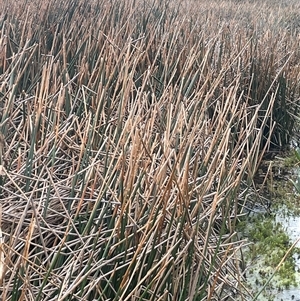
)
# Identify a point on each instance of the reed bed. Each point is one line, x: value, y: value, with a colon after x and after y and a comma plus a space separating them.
x: 130, y: 133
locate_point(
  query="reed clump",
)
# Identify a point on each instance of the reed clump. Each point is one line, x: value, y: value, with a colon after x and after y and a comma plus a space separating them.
x: 127, y: 131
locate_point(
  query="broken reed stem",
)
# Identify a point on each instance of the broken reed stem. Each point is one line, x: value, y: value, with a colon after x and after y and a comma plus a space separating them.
x: 2, y: 257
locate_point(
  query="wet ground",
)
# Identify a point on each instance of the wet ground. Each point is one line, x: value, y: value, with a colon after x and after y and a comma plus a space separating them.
x: 291, y: 225
x: 273, y: 232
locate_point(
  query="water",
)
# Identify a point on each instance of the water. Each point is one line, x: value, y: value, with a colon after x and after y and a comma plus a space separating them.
x: 272, y: 235
x: 286, y: 228
x: 291, y: 225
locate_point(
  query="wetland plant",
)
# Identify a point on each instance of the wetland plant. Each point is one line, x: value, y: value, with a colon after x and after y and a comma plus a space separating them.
x: 128, y: 132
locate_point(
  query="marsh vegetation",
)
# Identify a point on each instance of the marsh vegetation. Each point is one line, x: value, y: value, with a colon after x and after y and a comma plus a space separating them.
x: 130, y: 135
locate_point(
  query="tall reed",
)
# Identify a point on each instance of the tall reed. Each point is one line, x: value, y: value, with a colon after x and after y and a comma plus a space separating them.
x: 127, y: 128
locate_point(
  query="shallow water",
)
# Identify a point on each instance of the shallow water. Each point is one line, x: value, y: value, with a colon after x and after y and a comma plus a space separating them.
x: 291, y: 225
x: 260, y: 272
x: 282, y: 195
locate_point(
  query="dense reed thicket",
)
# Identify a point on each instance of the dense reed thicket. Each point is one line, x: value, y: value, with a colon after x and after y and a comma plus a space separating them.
x: 129, y: 130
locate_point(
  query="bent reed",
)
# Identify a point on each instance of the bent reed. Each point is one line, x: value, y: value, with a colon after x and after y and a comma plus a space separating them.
x: 130, y: 134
